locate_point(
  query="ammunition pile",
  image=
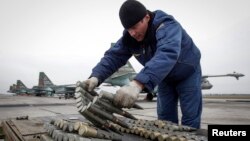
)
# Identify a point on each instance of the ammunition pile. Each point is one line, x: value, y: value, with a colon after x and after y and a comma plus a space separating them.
x: 62, y: 130
x: 100, y: 111
x: 107, y: 122
x: 161, y: 130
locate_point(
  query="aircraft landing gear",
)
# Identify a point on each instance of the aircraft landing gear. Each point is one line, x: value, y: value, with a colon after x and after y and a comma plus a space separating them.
x: 66, y: 96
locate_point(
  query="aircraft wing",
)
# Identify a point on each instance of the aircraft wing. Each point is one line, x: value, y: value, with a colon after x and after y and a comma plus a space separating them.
x: 71, y: 86
x: 122, y: 74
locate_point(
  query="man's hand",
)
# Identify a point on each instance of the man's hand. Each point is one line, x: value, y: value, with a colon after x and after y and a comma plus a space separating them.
x: 91, y: 83
x: 127, y: 95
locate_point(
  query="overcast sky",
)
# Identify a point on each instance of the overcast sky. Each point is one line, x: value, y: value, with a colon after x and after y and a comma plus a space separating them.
x: 66, y: 38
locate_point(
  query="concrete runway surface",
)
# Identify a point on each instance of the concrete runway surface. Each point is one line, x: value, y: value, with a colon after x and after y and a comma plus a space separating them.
x: 216, y: 110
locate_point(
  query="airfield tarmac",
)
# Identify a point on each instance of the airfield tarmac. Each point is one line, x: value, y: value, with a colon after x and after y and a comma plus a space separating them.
x: 216, y: 109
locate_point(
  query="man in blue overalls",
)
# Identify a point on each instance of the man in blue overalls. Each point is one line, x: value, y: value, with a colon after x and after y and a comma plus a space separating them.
x: 170, y: 58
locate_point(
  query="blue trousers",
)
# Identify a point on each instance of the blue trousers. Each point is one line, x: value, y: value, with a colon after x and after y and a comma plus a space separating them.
x: 188, y: 91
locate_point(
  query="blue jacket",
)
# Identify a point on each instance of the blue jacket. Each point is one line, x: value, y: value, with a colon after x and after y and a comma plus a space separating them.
x: 167, y: 53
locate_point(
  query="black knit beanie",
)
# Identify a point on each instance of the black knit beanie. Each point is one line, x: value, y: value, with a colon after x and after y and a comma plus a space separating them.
x: 131, y: 12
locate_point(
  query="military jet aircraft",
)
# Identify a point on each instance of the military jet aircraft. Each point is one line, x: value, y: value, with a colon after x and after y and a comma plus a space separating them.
x: 20, y: 88
x: 45, y: 87
x: 126, y: 73
x: 45, y: 83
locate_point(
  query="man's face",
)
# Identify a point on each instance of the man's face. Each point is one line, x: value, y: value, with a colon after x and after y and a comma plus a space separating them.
x: 139, y: 30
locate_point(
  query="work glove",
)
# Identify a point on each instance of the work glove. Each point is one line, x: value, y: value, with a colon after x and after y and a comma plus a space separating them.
x: 91, y: 83
x: 127, y: 95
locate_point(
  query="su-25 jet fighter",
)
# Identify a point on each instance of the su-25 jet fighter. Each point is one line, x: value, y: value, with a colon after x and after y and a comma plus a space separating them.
x: 127, y: 73
x: 20, y: 88
x: 45, y: 87
x: 46, y: 84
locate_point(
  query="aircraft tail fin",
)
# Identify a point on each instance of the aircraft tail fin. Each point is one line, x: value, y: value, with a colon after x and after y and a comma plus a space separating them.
x: 124, y: 70
x: 20, y: 85
x: 12, y: 88
x: 127, y: 68
x: 130, y: 67
x: 44, y: 80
